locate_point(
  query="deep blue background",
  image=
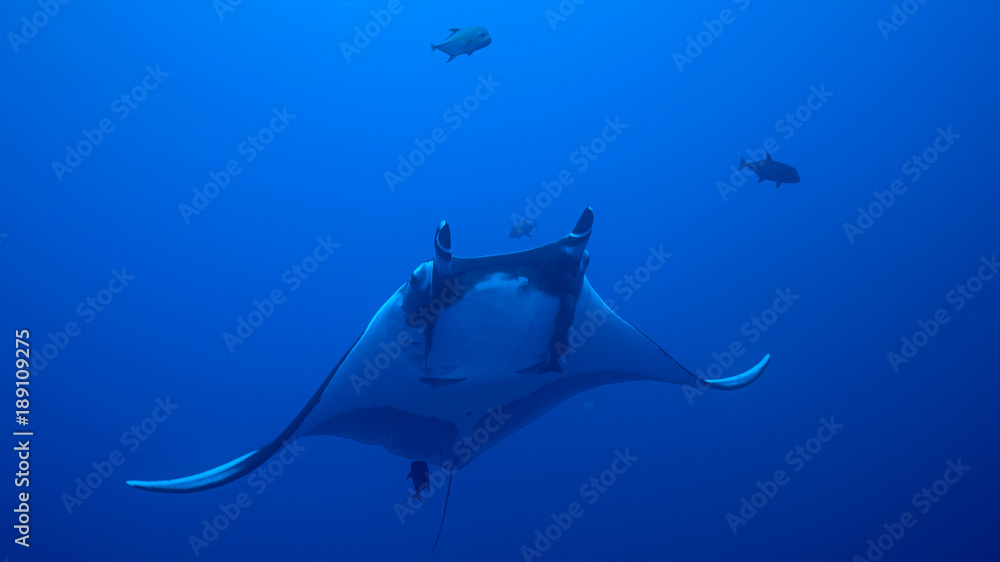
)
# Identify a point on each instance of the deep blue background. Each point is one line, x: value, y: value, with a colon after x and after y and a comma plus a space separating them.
x: 655, y: 185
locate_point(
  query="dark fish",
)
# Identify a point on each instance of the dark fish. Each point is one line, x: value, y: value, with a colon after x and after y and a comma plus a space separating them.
x: 522, y: 228
x: 768, y: 169
x: 463, y: 41
x: 421, y: 476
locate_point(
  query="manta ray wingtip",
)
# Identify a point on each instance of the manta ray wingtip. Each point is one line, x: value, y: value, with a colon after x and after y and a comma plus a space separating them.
x: 742, y: 379
x: 236, y: 468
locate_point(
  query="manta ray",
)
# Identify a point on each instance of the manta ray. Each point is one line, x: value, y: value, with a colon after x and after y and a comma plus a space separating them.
x: 467, y: 352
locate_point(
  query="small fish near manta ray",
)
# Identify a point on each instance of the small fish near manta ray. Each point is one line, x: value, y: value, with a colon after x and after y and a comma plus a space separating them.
x: 768, y: 169
x: 511, y: 337
x: 421, y: 476
x: 522, y: 228
x: 463, y: 41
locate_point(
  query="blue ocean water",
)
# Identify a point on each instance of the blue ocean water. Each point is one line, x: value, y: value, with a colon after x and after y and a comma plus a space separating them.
x: 167, y: 168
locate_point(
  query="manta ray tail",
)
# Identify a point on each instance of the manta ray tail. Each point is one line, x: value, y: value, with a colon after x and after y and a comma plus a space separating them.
x: 743, y: 162
x: 239, y: 467
x: 443, y: 512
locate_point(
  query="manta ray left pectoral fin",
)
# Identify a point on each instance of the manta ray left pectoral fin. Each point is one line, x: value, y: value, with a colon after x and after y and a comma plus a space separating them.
x: 636, y: 353
x: 742, y: 379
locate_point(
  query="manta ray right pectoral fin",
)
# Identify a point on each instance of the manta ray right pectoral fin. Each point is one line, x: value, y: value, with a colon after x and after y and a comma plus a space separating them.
x: 240, y: 467
x: 209, y: 479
